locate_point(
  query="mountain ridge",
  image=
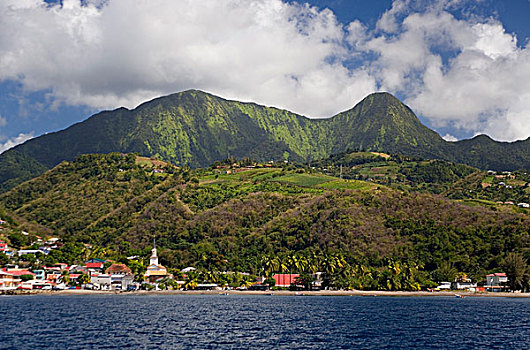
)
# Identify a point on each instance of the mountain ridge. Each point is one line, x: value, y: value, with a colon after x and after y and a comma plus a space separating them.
x: 195, y: 128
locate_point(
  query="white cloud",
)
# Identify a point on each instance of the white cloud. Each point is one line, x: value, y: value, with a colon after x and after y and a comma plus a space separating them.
x: 450, y: 138
x: 484, y: 86
x: 21, y: 138
x: 464, y: 72
x: 124, y: 52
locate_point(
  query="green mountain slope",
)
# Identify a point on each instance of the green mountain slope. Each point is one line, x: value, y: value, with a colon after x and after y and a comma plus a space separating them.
x: 195, y: 128
x: 381, y: 122
x: 115, y: 203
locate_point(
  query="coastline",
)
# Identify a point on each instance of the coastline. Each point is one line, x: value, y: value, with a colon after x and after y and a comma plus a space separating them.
x: 274, y: 293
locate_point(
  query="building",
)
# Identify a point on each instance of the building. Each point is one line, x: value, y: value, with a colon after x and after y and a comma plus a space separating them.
x: 285, y: 279
x: 3, y: 246
x: 121, y: 276
x: 444, y: 285
x: 496, y: 282
x: 94, y: 266
x: 155, y: 271
x: 101, y: 281
x: 7, y: 280
x: 464, y: 285
x: 118, y: 269
x: 31, y: 251
x: 40, y: 274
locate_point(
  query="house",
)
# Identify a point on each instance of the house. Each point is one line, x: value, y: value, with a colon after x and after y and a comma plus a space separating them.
x: 107, y: 281
x: 118, y: 269
x: 285, y: 279
x: 95, y: 260
x: 30, y: 251
x: 78, y: 268
x: 7, y: 281
x: 40, y: 274
x: 523, y: 205
x: 101, y: 281
x: 121, y: 276
x: 3, y: 246
x: 496, y: 282
x: 444, y: 285
x: 17, y: 272
x: 464, y: 285
x: 94, y: 266
x: 60, y: 266
x: 188, y: 269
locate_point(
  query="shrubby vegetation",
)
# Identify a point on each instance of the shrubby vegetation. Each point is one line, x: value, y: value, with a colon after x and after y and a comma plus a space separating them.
x: 265, y: 220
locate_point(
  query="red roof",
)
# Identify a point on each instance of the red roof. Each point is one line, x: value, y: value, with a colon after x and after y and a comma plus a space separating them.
x: 499, y: 274
x: 94, y: 265
x: 19, y: 272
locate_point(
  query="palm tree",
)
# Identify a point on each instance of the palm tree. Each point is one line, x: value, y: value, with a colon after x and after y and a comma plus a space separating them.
x: 192, y: 279
x: 515, y: 267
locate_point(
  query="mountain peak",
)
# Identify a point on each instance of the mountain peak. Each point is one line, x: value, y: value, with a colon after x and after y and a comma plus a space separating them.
x: 196, y: 128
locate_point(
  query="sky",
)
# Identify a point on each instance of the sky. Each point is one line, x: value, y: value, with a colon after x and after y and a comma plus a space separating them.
x: 462, y: 66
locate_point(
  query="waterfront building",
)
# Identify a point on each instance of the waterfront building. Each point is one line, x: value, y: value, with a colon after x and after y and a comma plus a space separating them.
x: 155, y: 271
x: 496, y: 282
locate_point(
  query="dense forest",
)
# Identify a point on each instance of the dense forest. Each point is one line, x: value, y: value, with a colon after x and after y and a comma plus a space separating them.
x: 249, y: 217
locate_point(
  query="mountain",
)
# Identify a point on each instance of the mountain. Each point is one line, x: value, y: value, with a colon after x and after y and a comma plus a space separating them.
x: 485, y: 153
x: 116, y: 203
x: 195, y: 128
x: 380, y: 122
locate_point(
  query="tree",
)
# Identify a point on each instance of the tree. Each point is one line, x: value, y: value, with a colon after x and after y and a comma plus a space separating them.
x: 446, y: 272
x: 83, y: 278
x: 515, y: 268
x: 306, y: 280
x: 25, y: 278
x: 4, y: 259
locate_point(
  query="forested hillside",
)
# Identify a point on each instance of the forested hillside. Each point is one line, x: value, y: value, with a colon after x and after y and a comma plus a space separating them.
x: 193, y: 128
x: 236, y: 216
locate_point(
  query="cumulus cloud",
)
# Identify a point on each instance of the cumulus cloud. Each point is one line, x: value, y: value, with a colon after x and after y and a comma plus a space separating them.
x: 484, y: 85
x: 450, y: 138
x: 21, y: 138
x: 462, y: 72
x: 123, y: 53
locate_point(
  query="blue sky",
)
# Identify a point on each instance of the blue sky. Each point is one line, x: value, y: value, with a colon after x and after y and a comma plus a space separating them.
x: 462, y: 66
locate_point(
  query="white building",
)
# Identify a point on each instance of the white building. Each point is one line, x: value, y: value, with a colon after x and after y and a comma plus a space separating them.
x: 496, y: 282
x: 155, y: 270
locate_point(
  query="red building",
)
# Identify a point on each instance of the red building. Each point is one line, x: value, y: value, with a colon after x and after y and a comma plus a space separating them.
x: 285, y: 279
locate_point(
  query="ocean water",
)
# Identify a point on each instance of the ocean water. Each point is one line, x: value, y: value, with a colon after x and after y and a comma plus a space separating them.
x: 262, y: 322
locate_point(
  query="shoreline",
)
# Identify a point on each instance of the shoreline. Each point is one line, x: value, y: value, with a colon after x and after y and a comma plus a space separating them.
x: 271, y: 293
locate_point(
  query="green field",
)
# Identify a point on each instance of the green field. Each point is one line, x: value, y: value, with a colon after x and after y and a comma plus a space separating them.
x: 305, y: 180
x: 348, y: 185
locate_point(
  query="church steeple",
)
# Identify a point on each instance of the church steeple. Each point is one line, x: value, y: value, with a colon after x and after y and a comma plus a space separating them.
x: 154, y: 258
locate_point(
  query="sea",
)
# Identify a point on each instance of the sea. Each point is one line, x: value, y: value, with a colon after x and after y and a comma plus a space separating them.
x: 262, y: 322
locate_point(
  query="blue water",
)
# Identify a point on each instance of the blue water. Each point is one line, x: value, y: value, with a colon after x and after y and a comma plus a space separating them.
x: 262, y: 322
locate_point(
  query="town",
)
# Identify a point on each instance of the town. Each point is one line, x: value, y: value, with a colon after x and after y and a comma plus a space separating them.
x: 107, y: 275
